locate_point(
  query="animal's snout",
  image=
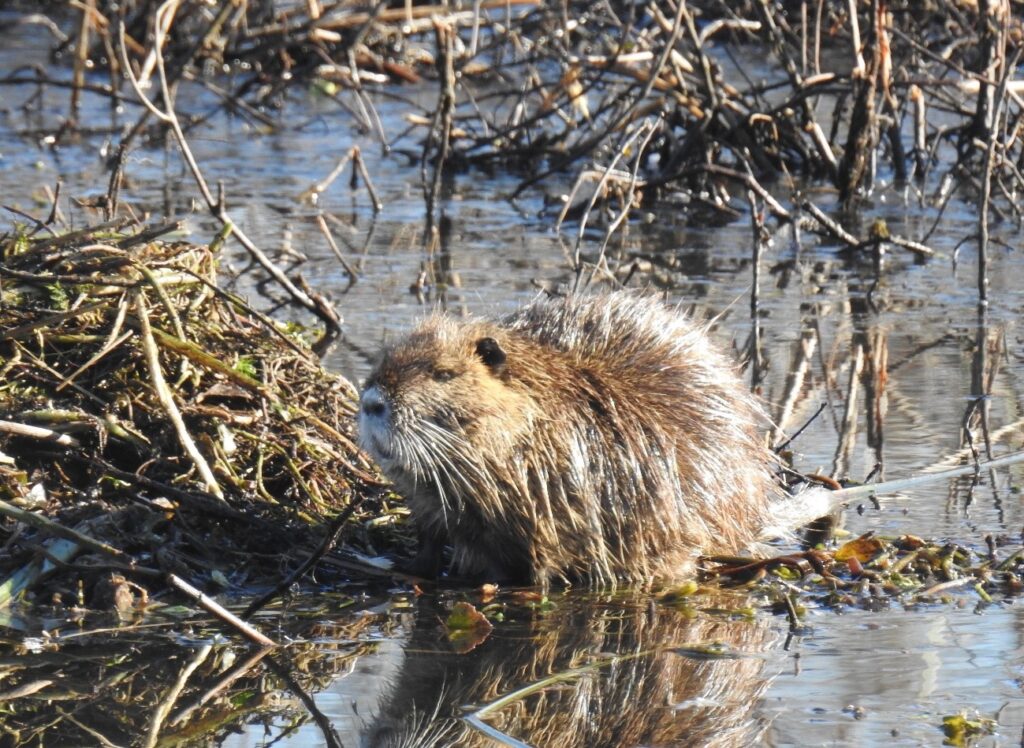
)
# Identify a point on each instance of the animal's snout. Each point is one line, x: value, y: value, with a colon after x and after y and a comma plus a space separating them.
x: 373, y: 403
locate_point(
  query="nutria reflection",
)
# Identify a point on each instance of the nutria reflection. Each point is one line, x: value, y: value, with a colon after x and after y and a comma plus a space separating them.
x: 632, y: 686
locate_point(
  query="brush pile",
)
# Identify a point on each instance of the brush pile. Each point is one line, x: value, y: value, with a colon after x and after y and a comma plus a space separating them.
x: 645, y: 99
x: 143, y: 407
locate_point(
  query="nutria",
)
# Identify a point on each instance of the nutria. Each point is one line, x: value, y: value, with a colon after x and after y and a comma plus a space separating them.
x: 595, y: 438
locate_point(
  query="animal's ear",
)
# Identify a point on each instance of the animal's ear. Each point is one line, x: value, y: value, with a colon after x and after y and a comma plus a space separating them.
x: 491, y: 354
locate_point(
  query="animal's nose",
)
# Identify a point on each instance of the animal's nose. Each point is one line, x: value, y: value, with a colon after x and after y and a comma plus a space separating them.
x: 373, y: 404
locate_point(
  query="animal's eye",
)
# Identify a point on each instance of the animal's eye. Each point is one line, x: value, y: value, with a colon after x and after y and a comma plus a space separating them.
x: 443, y: 375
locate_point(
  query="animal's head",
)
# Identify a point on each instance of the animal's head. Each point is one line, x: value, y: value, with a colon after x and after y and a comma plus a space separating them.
x: 439, y: 403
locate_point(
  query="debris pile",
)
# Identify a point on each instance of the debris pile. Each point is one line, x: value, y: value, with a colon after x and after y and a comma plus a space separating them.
x: 143, y: 407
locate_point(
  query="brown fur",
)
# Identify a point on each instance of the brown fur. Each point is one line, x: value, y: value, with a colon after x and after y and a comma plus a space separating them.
x: 596, y: 438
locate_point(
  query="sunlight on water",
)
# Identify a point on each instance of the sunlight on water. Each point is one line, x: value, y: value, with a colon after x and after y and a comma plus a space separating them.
x: 859, y: 678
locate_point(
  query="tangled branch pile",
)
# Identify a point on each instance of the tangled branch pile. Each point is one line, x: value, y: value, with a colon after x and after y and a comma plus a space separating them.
x: 727, y: 91
x: 144, y: 407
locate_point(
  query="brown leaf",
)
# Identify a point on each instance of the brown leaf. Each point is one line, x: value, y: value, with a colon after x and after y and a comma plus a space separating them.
x: 464, y: 617
x: 863, y: 549
x: 525, y: 596
x: 467, y: 627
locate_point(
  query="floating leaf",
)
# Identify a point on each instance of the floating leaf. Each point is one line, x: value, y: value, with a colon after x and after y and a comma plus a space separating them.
x: 467, y: 627
x: 530, y: 599
x: 863, y: 549
x: 686, y: 589
x: 465, y: 616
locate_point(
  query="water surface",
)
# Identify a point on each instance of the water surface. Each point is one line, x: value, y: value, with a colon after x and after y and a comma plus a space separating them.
x: 858, y: 677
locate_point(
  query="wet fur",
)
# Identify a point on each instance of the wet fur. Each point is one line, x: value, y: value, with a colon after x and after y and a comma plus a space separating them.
x: 606, y: 440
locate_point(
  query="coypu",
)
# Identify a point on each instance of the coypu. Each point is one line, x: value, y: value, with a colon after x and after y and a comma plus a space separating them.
x: 601, y: 438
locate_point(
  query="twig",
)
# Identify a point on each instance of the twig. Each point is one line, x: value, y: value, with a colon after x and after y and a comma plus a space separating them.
x: 331, y: 739
x: 114, y: 339
x: 25, y: 689
x: 266, y: 321
x: 441, y: 128
x: 326, y: 231
x: 476, y: 717
x: 821, y: 408
x: 333, y: 531
x: 37, y: 432
x: 58, y: 530
x: 216, y: 207
x: 629, y: 197
x: 216, y: 609
x: 838, y: 232
x: 952, y: 584
x: 986, y: 179
x: 757, y: 229
x: 627, y: 144
x: 204, y: 503
x: 167, y: 703
x: 166, y: 398
x: 55, y: 204
x: 312, y: 194
x: 360, y: 164
x: 238, y: 670
x: 114, y: 185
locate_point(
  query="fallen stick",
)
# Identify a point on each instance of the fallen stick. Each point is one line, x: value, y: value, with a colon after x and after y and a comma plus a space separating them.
x: 38, y: 432
x: 216, y: 609
x: 835, y: 230
x: 56, y: 529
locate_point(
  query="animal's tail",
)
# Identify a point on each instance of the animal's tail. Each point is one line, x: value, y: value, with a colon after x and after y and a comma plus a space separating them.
x: 793, y: 513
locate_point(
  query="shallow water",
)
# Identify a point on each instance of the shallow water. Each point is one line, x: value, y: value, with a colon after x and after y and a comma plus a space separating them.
x: 857, y: 678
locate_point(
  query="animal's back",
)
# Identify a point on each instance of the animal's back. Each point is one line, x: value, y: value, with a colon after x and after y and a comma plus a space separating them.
x: 616, y: 327
x: 676, y: 434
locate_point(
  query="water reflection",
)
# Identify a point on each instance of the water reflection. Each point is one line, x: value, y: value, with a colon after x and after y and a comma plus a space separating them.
x: 99, y: 681
x: 615, y: 672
